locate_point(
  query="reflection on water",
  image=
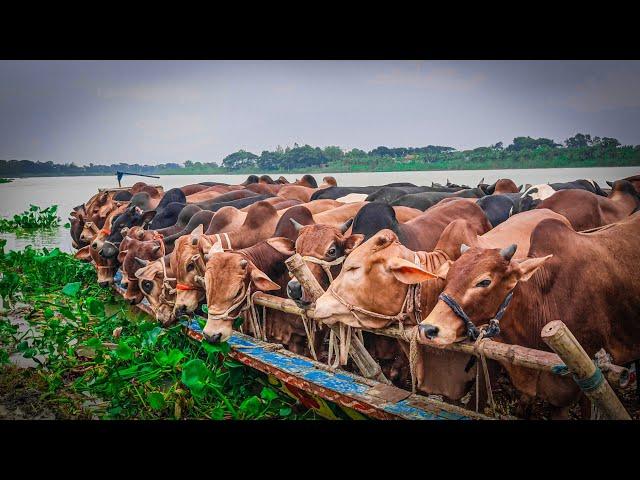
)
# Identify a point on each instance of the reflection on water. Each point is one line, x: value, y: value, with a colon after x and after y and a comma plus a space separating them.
x: 67, y: 192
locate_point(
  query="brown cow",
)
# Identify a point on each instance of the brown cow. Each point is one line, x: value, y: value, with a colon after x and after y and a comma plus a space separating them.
x: 193, y: 188
x: 590, y: 281
x: 296, y: 192
x: 328, y: 182
x: 231, y: 277
x: 132, y: 255
x: 226, y: 219
x: 587, y: 210
x: 105, y: 268
x: 264, y: 188
x: 212, y: 192
x: 188, y: 265
x: 635, y: 181
x: 159, y: 288
x: 505, y: 185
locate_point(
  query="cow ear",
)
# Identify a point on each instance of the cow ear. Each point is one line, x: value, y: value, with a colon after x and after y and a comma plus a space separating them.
x: 262, y: 281
x: 282, y: 245
x: 408, y: 272
x: 352, y: 241
x: 443, y: 270
x: 196, y: 233
x: 83, y: 254
x: 528, y: 266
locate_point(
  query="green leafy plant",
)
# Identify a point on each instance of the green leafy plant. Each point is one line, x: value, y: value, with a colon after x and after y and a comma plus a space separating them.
x: 33, y: 219
x: 90, y: 346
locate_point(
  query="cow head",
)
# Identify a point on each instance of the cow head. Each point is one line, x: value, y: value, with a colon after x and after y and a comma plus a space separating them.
x: 374, y: 277
x: 159, y: 293
x: 228, y: 277
x: 188, y: 265
x: 136, y: 254
x: 325, y: 243
x: 132, y: 216
x: 479, y: 282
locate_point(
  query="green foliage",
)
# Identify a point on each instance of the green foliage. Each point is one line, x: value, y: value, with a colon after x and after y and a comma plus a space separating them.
x: 142, y: 371
x: 33, y: 219
x: 6, y: 180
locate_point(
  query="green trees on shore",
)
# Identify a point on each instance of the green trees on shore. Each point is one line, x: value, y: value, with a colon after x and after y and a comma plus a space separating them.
x: 580, y: 150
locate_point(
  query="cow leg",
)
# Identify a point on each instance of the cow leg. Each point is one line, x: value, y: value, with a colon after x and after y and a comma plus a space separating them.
x: 524, y: 406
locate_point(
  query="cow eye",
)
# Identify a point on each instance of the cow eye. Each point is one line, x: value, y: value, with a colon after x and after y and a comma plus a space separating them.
x: 147, y: 285
x: 190, y: 266
x: 483, y: 283
x: 332, y: 252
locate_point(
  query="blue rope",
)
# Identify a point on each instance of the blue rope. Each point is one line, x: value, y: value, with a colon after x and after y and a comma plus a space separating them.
x: 591, y: 383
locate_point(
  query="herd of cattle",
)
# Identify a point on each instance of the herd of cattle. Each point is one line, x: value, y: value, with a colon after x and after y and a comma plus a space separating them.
x: 502, y: 259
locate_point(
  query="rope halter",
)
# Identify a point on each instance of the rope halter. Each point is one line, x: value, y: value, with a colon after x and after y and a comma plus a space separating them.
x: 326, y: 266
x: 473, y: 332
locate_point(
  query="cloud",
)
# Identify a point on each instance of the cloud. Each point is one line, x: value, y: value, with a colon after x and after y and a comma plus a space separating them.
x: 150, y: 93
x: 436, y: 78
x: 613, y: 91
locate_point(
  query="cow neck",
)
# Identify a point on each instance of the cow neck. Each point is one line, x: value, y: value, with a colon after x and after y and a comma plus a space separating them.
x: 628, y: 202
x: 268, y: 260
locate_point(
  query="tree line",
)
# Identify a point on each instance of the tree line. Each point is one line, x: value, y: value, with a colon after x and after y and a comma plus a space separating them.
x: 523, y: 152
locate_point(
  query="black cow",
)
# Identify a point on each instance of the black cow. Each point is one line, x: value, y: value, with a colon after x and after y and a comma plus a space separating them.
x: 333, y: 193
x: 389, y: 194
x: 131, y: 217
x: 498, y: 208
x: 122, y: 196
x: 181, y: 222
x: 203, y: 217
x: 167, y: 216
x: 425, y: 200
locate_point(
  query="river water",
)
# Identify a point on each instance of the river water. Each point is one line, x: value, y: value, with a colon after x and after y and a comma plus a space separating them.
x: 67, y: 192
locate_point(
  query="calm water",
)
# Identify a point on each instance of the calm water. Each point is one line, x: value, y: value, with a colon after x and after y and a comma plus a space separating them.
x: 67, y: 192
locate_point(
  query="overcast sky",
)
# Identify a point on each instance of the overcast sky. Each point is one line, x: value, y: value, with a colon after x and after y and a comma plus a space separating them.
x: 172, y: 111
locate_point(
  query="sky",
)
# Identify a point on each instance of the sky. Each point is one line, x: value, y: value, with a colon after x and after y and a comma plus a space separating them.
x: 152, y: 112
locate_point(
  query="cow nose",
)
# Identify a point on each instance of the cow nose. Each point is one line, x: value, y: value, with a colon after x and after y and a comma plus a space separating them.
x: 180, y: 310
x: 124, y: 284
x: 430, y: 331
x: 215, y: 338
x: 94, y: 245
x: 294, y: 290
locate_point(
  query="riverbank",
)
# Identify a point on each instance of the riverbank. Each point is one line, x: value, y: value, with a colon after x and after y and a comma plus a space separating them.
x: 71, y: 349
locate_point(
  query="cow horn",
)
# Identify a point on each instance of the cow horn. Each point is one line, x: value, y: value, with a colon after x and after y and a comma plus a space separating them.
x: 142, y: 261
x: 520, y: 188
x: 610, y: 183
x: 345, y: 226
x: 296, y: 224
x: 155, y: 249
x: 481, y: 181
x: 508, y: 252
x: 464, y: 248
x: 243, y: 263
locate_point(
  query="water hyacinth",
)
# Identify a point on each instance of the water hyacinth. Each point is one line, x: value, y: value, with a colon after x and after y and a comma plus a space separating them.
x: 35, y: 218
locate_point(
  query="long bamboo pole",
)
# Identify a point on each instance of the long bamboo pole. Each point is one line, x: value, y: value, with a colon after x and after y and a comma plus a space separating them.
x: 587, y: 375
x: 357, y: 351
x: 515, y: 354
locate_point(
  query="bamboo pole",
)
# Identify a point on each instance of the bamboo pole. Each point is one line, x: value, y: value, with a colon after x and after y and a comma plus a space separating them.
x: 357, y: 351
x: 540, y: 360
x: 587, y: 375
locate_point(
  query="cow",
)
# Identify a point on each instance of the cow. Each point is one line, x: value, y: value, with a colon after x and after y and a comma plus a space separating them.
x: 498, y: 207
x: 586, y: 210
x: 328, y: 182
x: 309, y: 181
x: 425, y: 200
x: 566, y: 275
x: 182, y: 221
x: 535, y: 194
x: 231, y: 277
x: 105, y: 268
x: 297, y: 192
x: 188, y: 266
x: 167, y: 216
x: 193, y: 188
x: 239, y: 203
x: 502, y: 185
x: 156, y: 281
x: 337, y: 192
x: 131, y: 257
x: 226, y: 219
x: 389, y: 194
x: 130, y: 217
x: 635, y: 181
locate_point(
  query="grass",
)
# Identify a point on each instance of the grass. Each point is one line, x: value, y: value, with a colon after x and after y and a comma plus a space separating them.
x: 36, y: 218
x: 97, y: 358
x: 6, y: 180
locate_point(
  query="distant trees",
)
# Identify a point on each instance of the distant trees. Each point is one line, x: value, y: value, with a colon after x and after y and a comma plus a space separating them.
x: 528, y: 143
x: 580, y: 149
x: 239, y: 159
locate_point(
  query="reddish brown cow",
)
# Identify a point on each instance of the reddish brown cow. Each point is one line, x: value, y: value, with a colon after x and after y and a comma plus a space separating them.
x: 105, y: 268
x: 296, y: 192
x: 264, y: 188
x: 193, y: 188
x: 587, y: 210
x: 212, y: 192
x: 188, y: 266
x: 635, y: 181
x: 505, y: 185
x: 133, y: 254
x: 159, y: 288
x: 226, y: 219
x: 231, y: 277
x: 576, y: 277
